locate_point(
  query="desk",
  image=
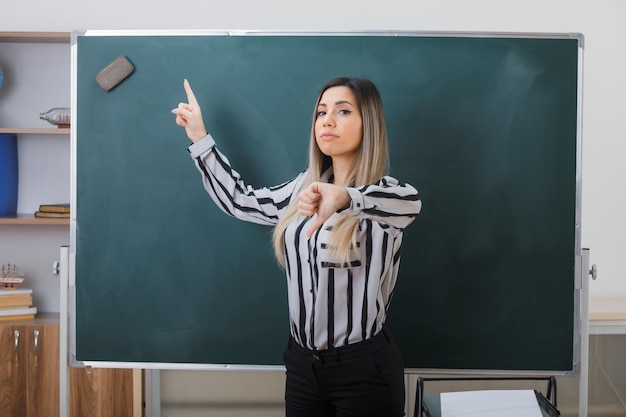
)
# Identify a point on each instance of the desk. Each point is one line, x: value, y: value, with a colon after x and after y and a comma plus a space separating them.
x: 607, y: 315
x: 433, y: 405
x: 429, y: 405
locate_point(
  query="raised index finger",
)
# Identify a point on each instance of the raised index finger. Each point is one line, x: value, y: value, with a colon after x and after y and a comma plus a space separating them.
x: 190, y: 96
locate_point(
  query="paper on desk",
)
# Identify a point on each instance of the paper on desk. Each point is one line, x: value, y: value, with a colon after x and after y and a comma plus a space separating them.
x: 490, y: 403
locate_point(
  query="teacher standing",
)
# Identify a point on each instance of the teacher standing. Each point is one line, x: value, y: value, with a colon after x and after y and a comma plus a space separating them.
x: 338, y: 230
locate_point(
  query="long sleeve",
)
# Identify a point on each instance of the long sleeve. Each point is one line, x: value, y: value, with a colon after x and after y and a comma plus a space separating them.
x: 330, y: 304
x: 387, y: 202
x: 232, y: 195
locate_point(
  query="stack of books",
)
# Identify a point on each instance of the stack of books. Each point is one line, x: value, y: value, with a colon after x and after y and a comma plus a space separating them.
x: 16, y: 304
x: 58, y: 211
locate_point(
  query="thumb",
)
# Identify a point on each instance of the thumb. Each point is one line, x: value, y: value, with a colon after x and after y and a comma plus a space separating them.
x: 317, y: 222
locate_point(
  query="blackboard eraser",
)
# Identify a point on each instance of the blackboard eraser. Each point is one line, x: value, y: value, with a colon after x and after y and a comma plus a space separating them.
x: 114, y: 73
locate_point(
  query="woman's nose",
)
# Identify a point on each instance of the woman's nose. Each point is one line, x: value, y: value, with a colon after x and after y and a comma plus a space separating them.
x: 328, y: 120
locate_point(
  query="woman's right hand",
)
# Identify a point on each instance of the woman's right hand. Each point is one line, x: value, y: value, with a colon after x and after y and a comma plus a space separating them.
x: 189, y: 116
x: 323, y: 200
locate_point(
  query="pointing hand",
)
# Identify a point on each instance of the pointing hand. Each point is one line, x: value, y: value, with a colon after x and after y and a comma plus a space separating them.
x: 189, y: 115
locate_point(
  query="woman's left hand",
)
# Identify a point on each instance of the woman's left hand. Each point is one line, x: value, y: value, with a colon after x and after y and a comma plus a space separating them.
x: 322, y: 199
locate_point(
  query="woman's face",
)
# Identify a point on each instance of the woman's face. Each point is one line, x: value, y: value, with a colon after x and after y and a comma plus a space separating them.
x: 338, y: 123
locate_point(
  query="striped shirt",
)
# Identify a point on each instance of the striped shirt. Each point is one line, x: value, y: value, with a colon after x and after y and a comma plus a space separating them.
x: 330, y: 305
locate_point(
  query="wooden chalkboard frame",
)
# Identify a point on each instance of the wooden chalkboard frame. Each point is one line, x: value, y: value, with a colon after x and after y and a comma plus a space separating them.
x: 571, y: 364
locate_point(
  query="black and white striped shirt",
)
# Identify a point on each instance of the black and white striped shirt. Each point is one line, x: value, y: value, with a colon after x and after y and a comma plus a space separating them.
x: 330, y: 305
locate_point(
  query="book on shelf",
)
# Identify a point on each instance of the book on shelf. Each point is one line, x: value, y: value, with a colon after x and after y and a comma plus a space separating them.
x: 18, y: 313
x: 55, y: 208
x: 52, y: 215
x: 16, y: 304
x: 18, y: 317
x: 12, y: 292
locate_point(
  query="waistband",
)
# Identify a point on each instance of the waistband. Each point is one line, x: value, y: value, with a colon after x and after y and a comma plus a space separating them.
x: 346, y: 352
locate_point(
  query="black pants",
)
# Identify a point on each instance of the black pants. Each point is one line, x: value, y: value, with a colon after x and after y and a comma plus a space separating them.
x: 365, y: 379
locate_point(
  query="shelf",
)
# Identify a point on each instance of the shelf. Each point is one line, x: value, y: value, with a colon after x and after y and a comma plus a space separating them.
x: 25, y: 49
x: 35, y: 130
x: 607, y: 315
x: 36, y: 37
x: 30, y: 219
x: 613, y: 308
x: 41, y: 319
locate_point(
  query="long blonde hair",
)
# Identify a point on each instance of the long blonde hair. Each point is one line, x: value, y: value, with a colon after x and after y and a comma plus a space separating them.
x: 371, y: 163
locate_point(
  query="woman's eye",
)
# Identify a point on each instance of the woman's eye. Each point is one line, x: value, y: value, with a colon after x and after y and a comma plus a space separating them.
x: 321, y: 113
x: 344, y: 112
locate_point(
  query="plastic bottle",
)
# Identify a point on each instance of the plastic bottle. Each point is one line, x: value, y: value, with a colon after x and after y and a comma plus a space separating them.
x: 59, y: 116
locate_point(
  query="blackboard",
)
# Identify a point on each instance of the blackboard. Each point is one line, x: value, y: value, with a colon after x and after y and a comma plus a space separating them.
x: 485, y: 127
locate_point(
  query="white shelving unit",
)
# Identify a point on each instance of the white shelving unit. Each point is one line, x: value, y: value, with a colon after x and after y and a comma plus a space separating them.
x: 36, y: 77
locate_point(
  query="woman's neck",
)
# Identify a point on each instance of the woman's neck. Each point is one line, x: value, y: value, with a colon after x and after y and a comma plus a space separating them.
x: 341, y: 171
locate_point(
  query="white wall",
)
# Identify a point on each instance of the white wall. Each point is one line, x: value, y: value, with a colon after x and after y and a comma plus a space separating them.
x: 601, y: 21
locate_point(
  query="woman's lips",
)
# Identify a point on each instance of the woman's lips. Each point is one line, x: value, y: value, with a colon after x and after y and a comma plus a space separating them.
x: 328, y: 136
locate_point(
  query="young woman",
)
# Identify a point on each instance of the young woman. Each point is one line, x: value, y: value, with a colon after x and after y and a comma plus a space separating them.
x: 338, y: 230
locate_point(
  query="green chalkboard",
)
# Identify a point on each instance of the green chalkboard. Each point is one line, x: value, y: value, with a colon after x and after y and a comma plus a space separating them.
x: 485, y: 127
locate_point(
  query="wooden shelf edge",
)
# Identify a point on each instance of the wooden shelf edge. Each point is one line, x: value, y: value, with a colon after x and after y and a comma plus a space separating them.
x: 40, y: 319
x: 35, y: 130
x: 36, y: 37
x: 30, y: 219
